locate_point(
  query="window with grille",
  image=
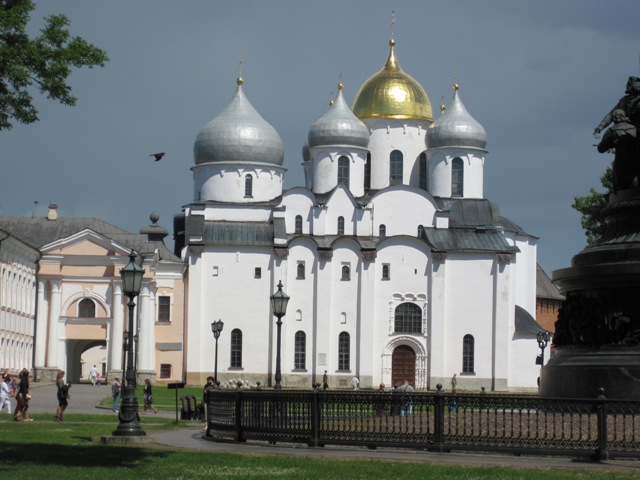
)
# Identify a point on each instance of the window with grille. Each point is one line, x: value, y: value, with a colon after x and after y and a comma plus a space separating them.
x: 165, y: 370
x: 299, y: 356
x: 382, y: 230
x: 257, y: 272
x: 420, y: 231
x: 457, y: 177
x: 344, y: 351
x: 408, y: 318
x: 340, y: 225
x: 298, y: 226
x: 385, y: 271
x: 395, y: 167
x: 343, y: 170
x: 300, y: 270
x: 164, y: 308
x: 86, y: 308
x: 248, y: 186
x: 468, y: 354
x: 346, y: 273
x: 236, y: 348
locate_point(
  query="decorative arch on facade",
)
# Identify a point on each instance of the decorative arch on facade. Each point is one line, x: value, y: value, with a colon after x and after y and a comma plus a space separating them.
x: 77, y: 297
x: 419, y: 299
x: 418, y: 347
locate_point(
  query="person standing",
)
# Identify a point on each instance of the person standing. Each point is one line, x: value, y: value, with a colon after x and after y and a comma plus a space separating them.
x: 147, y: 396
x: 4, y: 394
x: 355, y: 382
x: 115, y: 391
x: 454, y: 383
x: 325, y: 381
x: 93, y: 375
x: 63, y: 395
x: 406, y: 407
x: 22, y: 397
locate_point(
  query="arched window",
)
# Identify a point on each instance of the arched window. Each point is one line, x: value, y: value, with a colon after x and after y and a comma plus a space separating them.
x: 367, y: 172
x: 408, y: 318
x: 248, y: 186
x: 395, y: 167
x: 422, y: 162
x: 420, y: 231
x: 87, y: 308
x: 382, y: 230
x: 298, y: 224
x: 346, y: 273
x: 468, y: 354
x: 340, y: 225
x: 343, y: 352
x: 385, y: 271
x: 299, y: 356
x: 343, y: 170
x: 300, y: 270
x: 236, y: 348
x: 457, y: 177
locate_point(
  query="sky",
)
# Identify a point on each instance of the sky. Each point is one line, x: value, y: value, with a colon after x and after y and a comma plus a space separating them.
x: 538, y: 75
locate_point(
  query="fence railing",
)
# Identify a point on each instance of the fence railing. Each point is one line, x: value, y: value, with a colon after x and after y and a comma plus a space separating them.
x: 435, y: 421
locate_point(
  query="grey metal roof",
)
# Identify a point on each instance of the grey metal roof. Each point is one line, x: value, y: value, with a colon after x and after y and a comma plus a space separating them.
x: 467, y: 240
x: 465, y: 212
x: 545, y: 288
x: 525, y: 324
x: 237, y: 233
x: 339, y: 126
x: 456, y: 128
x: 39, y: 231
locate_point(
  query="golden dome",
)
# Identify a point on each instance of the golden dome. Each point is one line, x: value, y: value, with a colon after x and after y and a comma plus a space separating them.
x: 391, y: 93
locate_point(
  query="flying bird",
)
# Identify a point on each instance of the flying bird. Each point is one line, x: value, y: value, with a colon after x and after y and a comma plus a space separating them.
x: 157, y: 156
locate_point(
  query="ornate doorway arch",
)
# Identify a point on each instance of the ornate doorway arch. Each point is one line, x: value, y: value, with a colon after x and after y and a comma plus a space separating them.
x: 403, y: 365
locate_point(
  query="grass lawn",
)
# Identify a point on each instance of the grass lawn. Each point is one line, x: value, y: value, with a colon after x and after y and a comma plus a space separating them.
x: 44, y: 449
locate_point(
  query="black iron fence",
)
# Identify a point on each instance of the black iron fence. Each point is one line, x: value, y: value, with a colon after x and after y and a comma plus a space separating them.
x: 435, y: 421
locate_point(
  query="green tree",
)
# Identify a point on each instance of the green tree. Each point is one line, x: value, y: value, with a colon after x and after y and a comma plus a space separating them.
x: 44, y: 61
x: 592, y: 208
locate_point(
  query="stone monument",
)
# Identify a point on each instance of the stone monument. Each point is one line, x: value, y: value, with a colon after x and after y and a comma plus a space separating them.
x: 597, y: 338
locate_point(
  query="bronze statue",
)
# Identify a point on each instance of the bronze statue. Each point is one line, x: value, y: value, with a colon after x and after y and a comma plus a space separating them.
x: 629, y: 104
x: 622, y: 137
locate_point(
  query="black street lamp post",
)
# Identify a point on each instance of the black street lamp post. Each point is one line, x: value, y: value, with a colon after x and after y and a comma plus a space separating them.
x: 129, y: 425
x: 279, y: 302
x: 216, y: 328
x: 543, y: 340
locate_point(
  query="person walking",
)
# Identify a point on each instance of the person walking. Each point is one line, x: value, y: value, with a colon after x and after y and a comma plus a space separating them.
x: 147, y: 397
x: 22, y: 398
x: 355, y: 382
x: 5, y: 389
x: 115, y: 391
x: 63, y: 395
x: 93, y: 375
x: 325, y: 381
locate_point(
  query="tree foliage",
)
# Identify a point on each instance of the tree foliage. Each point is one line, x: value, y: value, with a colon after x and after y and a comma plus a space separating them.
x: 44, y: 62
x: 592, y: 208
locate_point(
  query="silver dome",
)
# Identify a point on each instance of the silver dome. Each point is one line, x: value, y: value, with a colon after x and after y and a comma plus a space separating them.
x: 456, y: 128
x: 339, y: 126
x: 238, y: 134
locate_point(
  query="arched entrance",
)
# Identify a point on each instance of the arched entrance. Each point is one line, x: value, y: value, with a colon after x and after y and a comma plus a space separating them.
x: 82, y: 355
x: 403, y: 365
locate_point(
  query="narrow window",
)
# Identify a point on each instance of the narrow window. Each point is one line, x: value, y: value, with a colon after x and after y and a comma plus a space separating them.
x: 86, y: 308
x: 408, y: 318
x: 340, y: 225
x: 346, y: 273
x: 299, y: 356
x: 457, y: 177
x: 298, y: 225
x: 343, y: 170
x: 165, y: 370
x: 257, y: 272
x: 300, y: 270
x: 236, y: 348
x: 367, y: 172
x: 164, y: 308
x: 395, y: 167
x: 385, y: 271
x: 343, y: 352
x: 248, y: 186
x: 423, y: 170
x: 420, y: 231
x: 467, y: 354
x: 382, y: 230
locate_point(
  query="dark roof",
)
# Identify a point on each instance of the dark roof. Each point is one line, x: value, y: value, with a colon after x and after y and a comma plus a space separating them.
x: 238, y: 233
x: 467, y: 240
x: 545, y: 288
x: 39, y: 231
x: 525, y: 324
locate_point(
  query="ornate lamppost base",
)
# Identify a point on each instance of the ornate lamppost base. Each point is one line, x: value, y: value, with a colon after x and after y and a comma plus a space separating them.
x: 129, y: 425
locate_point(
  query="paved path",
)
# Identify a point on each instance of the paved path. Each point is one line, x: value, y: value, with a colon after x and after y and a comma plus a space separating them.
x: 85, y: 399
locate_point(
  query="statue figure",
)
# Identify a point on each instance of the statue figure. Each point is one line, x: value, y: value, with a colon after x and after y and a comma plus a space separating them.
x: 629, y: 104
x: 622, y: 137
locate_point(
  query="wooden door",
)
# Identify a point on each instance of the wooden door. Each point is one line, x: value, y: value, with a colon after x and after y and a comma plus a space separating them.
x: 403, y: 365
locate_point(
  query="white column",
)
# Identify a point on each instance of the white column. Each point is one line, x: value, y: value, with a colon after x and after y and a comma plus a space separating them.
x: 54, y: 315
x: 115, y: 332
x: 146, y: 331
x: 41, y: 325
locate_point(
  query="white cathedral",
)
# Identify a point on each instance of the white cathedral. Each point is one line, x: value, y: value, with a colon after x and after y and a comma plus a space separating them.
x: 396, y: 265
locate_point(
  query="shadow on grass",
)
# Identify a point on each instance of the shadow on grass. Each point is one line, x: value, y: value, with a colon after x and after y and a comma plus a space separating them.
x: 13, y: 455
